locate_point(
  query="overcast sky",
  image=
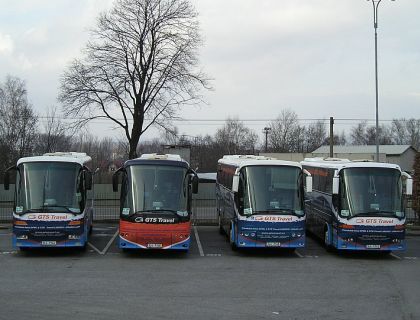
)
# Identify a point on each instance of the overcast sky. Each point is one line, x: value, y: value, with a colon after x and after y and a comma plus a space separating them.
x: 315, y: 57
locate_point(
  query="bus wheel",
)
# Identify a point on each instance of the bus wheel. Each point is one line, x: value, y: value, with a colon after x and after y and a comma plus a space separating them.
x: 327, y: 244
x: 231, y: 238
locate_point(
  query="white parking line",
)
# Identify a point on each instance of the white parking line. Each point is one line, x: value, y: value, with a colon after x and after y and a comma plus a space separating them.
x: 299, y: 254
x: 110, y: 242
x: 93, y: 247
x: 197, y: 238
x: 395, y: 256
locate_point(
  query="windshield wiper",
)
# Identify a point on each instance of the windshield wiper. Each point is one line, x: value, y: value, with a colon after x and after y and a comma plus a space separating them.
x: 274, y: 211
x: 152, y: 211
x: 48, y: 207
x: 372, y: 214
x: 32, y: 210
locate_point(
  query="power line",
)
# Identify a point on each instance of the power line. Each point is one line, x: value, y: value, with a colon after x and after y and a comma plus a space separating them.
x: 222, y: 120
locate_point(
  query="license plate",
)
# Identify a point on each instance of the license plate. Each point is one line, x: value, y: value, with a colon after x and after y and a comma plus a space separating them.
x: 273, y: 244
x: 49, y: 243
x: 154, y: 245
x: 373, y: 246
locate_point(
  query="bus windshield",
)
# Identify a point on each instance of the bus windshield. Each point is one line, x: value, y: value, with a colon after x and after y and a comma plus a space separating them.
x: 272, y: 189
x: 157, y: 188
x: 371, y: 192
x: 48, y: 187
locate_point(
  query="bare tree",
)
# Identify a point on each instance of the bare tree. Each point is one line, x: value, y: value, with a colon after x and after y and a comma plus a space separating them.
x: 298, y: 139
x: 283, y: 130
x: 363, y: 134
x: 205, y: 152
x: 399, y: 131
x: 235, y: 138
x: 170, y: 135
x: 139, y: 67
x: 358, y: 134
x: 18, y: 122
x: 413, y: 130
x: 55, y: 136
x: 406, y: 131
x: 416, y: 186
x: 316, y: 134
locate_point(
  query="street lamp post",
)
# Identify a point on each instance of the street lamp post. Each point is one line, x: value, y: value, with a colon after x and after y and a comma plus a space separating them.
x: 375, y: 4
x: 266, y: 130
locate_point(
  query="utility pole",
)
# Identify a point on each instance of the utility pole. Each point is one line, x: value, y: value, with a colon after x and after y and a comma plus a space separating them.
x: 331, y: 137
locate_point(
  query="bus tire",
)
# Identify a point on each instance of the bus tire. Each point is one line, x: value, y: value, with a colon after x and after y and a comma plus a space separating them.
x: 327, y: 244
x: 231, y: 238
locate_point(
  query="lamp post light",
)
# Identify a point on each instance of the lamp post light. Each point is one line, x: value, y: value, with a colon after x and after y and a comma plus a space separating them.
x: 375, y: 4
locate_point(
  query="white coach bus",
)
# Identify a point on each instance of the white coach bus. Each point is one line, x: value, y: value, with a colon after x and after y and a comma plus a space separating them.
x: 53, y: 204
x: 260, y: 201
x: 357, y: 205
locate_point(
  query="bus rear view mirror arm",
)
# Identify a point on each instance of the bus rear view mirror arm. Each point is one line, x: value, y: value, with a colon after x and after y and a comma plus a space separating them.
x: 308, y: 181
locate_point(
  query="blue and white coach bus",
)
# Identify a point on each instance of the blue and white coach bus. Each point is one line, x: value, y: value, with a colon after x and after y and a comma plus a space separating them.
x: 357, y: 205
x: 260, y: 201
x: 53, y: 200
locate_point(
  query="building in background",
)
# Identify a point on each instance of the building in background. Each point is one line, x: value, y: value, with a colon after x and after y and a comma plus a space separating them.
x: 403, y: 155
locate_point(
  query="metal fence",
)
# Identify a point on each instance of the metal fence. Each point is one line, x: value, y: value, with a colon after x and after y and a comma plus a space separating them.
x: 203, y: 204
x: 107, y: 204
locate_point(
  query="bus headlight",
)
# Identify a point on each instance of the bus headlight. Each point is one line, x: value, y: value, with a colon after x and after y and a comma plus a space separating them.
x: 22, y: 237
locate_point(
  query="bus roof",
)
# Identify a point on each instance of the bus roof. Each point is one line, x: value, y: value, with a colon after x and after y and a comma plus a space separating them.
x: 337, y: 163
x: 240, y: 161
x: 73, y: 157
x: 158, y: 158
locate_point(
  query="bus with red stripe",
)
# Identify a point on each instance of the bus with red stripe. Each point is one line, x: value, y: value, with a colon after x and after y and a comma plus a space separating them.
x: 155, y: 202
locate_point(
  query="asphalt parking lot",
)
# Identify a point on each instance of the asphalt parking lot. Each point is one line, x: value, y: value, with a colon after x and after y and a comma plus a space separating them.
x: 210, y: 281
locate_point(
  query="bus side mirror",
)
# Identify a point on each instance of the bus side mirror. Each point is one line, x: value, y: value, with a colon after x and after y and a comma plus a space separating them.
x: 409, y: 187
x: 115, y: 181
x: 194, y: 184
x: 235, y: 183
x: 6, y: 180
x: 6, y: 177
x: 88, y: 180
x: 308, y: 184
x: 335, y: 185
